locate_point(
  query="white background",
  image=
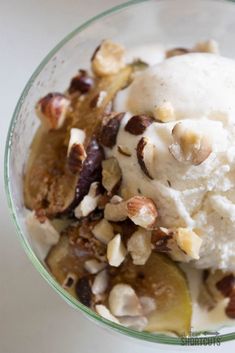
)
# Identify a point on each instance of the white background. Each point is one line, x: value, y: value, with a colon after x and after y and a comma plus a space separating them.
x: 33, y: 318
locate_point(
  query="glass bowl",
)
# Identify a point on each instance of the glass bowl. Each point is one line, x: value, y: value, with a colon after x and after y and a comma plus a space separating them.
x: 178, y: 23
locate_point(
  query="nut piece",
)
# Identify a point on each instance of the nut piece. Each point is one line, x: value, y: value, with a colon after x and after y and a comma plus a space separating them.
x: 189, y: 147
x: 76, y: 158
x: 176, y: 52
x: 105, y: 313
x: 226, y: 285
x: 138, y: 124
x: 189, y: 242
x: 43, y: 231
x: 139, y: 246
x: 108, y: 58
x: 98, y: 100
x: 115, y: 212
x: 91, y: 169
x: 89, y: 202
x: 182, y: 244
x: 109, y: 131
x: 76, y: 152
x: 111, y: 175
x: 81, y: 83
x: 216, y: 286
x: 94, y: 266
x: 209, y: 46
x: 123, y: 301
x: 145, y: 155
x: 103, y: 231
x: 116, y: 199
x: 52, y: 110
x: 100, y: 283
x: 77, y: 136
x: 124, y: 150
x: 116, y: 251
x: 142, y: 211
x: 163, y: 240
x: 164, y: 112
x: 137, y: 323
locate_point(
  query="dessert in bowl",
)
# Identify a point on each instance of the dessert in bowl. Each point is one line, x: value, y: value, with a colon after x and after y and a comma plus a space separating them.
x: 129, y: 187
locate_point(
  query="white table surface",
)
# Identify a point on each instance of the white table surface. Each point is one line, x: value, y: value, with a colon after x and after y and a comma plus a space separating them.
x: 33, y: 318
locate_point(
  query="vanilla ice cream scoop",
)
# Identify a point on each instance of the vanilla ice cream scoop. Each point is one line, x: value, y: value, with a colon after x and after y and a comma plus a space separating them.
x: 186, y: 164
x: 195, y: 85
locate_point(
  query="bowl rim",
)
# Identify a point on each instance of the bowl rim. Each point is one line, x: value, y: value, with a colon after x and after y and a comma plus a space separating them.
x: 145, y: 336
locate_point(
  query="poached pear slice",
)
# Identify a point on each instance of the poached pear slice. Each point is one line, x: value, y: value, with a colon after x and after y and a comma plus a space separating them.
x: 49, y: 185
x: 161, y: 279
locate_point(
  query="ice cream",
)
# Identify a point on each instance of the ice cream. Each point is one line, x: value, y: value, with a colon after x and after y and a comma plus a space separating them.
x: 196, y: 91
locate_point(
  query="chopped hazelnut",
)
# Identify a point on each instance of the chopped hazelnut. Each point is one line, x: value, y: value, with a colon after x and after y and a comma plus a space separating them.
x: 108, y: 58
x: 139, y: 246
x: 100, y: 283
x: 164, y: 112
x: 91, y: 169
x: 103, y: 311
x: 109, y: 130
x: 137, y: 323
x: 176, y: 52
x: 89, y: 203
x: 182, y: 244
x: 142, y: 211
x: 124, y: 150
x: 81, y: 83
x: 76, y: 152
x: 138, y: 124
x: 52, y: 110
x: 94, y: 266
x: 111, y: 174
x: 189, y: 242
x: 77, y: 136
x: 226, y: 285
x: 145, y: 155
x: 98, y: 100
x: 123, y: 301
x: 116, y: 199
x: 209, y: 46
x: 189, y: 146
x: 103, y: 231
x: 116, y: 251
x: 43, y: 231
x: 115, y: 212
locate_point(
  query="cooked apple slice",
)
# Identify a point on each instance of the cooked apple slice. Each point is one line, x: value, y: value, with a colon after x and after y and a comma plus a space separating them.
x: 161, y: 279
